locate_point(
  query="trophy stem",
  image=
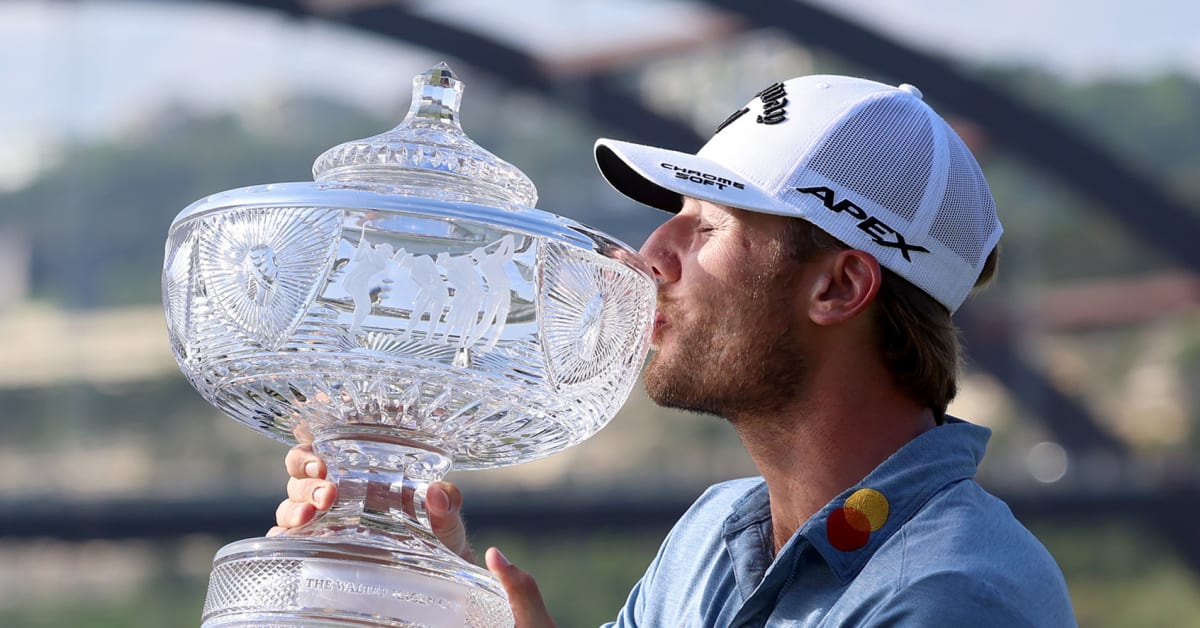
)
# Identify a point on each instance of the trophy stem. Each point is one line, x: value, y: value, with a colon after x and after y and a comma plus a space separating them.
x: 381, y: 482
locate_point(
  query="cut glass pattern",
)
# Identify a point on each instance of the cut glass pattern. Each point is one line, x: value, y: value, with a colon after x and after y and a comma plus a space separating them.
x: 263, y: 266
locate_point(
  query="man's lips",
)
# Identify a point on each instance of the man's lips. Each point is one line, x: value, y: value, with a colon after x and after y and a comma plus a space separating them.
x: 661, y: 321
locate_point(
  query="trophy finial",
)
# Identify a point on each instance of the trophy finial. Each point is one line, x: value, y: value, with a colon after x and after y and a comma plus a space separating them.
x: 437, y: 94
x: 429, y: 141
x: 441, y: 75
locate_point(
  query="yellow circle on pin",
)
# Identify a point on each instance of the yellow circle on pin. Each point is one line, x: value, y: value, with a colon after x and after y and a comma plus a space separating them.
x: 872, y: 504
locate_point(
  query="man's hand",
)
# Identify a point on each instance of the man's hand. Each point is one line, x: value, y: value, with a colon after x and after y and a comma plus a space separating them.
x: 309, y: 493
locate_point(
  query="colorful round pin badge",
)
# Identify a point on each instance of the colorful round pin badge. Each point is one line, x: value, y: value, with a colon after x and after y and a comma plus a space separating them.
x: 849, y: 528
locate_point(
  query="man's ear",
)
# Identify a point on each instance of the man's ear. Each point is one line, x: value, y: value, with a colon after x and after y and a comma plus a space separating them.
x: 845, y: 287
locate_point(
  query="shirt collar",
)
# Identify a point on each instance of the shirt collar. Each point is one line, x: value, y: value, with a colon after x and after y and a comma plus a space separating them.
x: 852, y: 526
x: 747, y: 534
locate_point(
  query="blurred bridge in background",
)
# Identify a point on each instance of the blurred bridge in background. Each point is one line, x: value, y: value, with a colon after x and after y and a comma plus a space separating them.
x: 596, y: 85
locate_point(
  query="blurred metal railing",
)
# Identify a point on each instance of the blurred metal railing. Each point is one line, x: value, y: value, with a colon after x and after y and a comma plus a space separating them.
x: 1170, y: 511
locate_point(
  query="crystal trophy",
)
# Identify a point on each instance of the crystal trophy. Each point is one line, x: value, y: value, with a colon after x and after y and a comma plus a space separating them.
x: 407, y: 312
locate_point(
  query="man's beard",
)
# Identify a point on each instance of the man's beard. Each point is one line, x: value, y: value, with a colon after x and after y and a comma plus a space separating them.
x: 745, y: 363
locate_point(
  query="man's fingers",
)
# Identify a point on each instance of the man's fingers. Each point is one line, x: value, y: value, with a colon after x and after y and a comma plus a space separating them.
x: 319, y: 493
x: 309, y: 492
x: 443, y: 504
x: 523, y: 595
x: 291, y: 514
x: 449, y: 497
x: 303, y: 463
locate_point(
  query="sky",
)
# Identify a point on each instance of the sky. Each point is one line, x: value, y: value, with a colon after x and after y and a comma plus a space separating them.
x: 1080, y: 39
x: 89, y: 69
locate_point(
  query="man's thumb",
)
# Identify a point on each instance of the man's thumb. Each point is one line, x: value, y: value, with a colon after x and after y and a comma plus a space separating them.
x: 523, y: 595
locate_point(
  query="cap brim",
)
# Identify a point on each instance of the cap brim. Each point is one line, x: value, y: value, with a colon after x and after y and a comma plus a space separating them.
x: 661, y: 178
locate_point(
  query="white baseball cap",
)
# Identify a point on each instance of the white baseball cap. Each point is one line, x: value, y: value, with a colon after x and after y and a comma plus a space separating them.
x: 870, y: 164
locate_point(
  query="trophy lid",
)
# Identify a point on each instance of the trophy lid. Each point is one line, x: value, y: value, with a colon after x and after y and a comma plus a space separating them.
x: 428, y: 154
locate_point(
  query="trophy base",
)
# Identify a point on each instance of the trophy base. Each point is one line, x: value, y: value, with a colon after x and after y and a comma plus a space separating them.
x: 296, y: 582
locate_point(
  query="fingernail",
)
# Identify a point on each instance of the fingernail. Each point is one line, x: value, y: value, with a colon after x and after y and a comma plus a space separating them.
x: 312, y: 469
x: 503, y: 559
x: 438, y: 499
x: 320, y: 494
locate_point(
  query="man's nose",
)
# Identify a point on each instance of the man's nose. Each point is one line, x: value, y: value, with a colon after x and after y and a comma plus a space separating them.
x: 660, y: 251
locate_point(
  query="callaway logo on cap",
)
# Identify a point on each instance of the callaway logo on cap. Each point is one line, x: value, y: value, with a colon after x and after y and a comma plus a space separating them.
x: 869, y: 163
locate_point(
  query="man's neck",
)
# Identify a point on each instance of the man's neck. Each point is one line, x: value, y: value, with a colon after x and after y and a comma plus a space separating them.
x: 811, y: 451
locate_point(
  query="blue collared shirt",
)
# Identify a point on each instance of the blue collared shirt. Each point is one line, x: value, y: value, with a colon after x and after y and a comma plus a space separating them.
x: 917, y: 543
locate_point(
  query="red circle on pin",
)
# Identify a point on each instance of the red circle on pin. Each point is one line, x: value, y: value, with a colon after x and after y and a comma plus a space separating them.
x: 847, y: 529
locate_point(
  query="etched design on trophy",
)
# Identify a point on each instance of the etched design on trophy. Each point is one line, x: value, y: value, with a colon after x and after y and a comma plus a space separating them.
x: 264, y: 266
x: 369, y: 260
x: 498, y: 299
x: 584, y: 308
x: 468, y: 297
x: 428, y: 302
x: 177, y: 289
x: 458, y: 299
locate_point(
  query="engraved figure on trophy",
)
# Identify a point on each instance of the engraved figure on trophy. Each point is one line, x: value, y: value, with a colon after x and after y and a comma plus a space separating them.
x: 262, y: 273
x: 431, y: 295
x: 466, y: 302
x: 368, y: 262
x: 494, y: 268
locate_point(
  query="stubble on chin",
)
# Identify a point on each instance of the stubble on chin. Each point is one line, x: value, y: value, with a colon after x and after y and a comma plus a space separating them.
x: 727, y: 376
x: 746, y: 360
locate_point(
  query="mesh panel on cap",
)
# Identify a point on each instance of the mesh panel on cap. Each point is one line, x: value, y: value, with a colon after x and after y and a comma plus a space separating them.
x: 892, y: 173
x: 967, y: 216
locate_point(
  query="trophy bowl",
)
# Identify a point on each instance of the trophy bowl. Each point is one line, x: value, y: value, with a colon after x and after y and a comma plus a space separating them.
x: 407, y: 312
